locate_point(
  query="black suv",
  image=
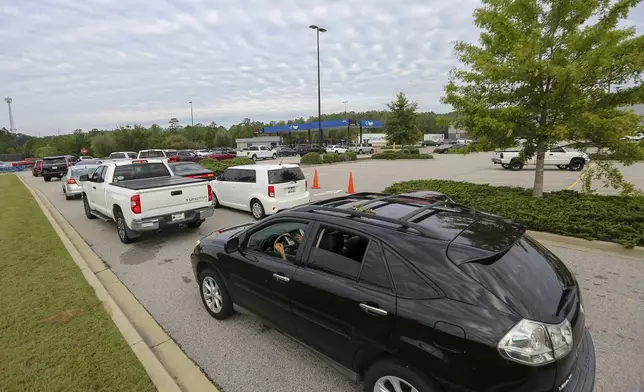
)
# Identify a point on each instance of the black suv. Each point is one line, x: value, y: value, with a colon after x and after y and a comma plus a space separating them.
x: 56, y: 166
x: 407, y: 293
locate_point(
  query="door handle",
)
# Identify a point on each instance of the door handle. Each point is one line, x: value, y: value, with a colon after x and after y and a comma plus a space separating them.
x: 281, y: 278
x: 373, y: 310
x: 93, y: 187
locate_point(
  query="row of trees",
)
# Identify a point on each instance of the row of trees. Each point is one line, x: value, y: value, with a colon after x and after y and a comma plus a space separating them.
x: 175, y: 136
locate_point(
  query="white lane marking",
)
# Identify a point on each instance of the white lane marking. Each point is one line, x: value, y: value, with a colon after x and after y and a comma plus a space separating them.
x: 327, y: 193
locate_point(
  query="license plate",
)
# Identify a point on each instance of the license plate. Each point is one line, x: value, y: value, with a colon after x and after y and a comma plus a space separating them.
x: 176, y: 217
x: 290, y: 190
x: 54, y: 167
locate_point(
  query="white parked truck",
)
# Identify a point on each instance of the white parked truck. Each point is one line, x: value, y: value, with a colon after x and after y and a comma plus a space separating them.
x: 258, y: 152
x: 555, y: 156
x: 141, y: 195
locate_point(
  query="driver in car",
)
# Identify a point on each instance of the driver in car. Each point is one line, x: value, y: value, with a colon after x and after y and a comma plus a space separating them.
x: 279, y: 247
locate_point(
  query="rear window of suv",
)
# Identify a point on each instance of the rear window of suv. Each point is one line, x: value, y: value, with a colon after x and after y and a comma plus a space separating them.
x: 284, y: 175
x: 55, y: 161
x: 151, y: 154
x: 138, y: 171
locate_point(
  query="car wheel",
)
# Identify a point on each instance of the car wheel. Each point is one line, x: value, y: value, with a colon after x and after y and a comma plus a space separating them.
x: 214, y: 295
x: 257, y: 209
x: 274, y: 156
x: 67, y: 197
x: 393, y: 375
x: 576, y: 165
x: 562, y: 167
x: 359, y: 151
x: 371, y: 152
x: 516, y: 165
x: 215, y: 201
x: 47, y: 179
x: 88, y: 211
x: 254, y: 157
x: 122, y: 230
x: 194, y: 225
x: 505, y: 166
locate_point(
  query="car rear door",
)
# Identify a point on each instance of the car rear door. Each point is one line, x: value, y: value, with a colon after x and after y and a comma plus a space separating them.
x: 288, y: 182
x: 225, y: 187
x: 341, y: 298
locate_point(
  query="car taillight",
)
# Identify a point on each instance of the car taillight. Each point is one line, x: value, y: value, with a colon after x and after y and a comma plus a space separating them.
x: 209, y: 192
x: 71, y: 181
x: 534, y: 343
x: 135, y: 204
x: 271, y: 191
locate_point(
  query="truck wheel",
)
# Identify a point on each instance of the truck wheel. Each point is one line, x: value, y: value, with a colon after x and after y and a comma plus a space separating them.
x: 122, y: 230
x: 88, y: 211
x: 505, y: 166
x: 562, y: 167
x: 395, y: 375
x: 47, y: 179
x: 576, y: 165
x: 360, y: 151
x: 516, y: 165
x: 254, y: 157
x: 274, y: 156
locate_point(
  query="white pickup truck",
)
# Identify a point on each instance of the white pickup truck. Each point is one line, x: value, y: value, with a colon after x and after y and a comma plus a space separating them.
x: 141, y: 195
x: 555, y: 156
x: 258, y: 152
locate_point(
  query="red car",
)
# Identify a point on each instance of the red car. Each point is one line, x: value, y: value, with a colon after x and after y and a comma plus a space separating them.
x: 25, y: 162
x: 220, y: 155
x: 36, y: 171
x: 184, y: 156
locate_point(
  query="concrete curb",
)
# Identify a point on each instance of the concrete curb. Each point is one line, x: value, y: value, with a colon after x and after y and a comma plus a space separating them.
x: 167, y: 365
x: 588, y: 246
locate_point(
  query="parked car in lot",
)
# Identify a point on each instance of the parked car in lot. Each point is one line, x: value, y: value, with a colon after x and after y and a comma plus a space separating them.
x: 285, y: 151
x: 221, y: 155
x: 156, y: 153
x: 555, y: 156
x: 36, y: 171
x: 203, y: 152
x: 123, y: 155
x: 56, y: 166
x: 70, y: 181
x: 336, y: 148
x: 185, y: 156
x: 444, y: 148
x: 141, y: 195
x: 190, y: 170
x: 430, y: 143
x: 261, y: 189
x: 258, y: 152
x: 365, y: 148
x: 406, y: 295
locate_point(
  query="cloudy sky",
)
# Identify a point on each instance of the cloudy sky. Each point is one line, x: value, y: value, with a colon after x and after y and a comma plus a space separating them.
x: 103, y: 63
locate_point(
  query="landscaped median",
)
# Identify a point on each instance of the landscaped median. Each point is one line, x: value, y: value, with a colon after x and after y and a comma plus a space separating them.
x: 55, y: 334
x: 617, y: 219
x: 219, y: 166
x: 315, y: 158
x: 406, y: 153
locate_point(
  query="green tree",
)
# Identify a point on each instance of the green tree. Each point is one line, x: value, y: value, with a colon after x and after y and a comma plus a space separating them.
x: 103, y: 144
x: 401, y: 125
x: 546, y: 71
x: 46, y: 151
x: 174, y: 123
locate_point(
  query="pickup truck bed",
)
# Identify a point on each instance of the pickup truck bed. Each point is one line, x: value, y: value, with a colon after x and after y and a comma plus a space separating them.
x: 157, y: 182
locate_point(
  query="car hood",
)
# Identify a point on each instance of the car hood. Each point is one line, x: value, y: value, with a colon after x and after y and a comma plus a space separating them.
x: 222, y: 235
x: 528, y: 278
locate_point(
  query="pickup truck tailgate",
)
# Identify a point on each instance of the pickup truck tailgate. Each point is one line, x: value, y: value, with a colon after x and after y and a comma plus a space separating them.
x: 161, y: 196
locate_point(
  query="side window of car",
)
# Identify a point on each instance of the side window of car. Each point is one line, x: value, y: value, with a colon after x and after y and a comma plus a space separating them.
x: 408, y: 283
x: 253, y: 148
x: 97, y: 174
x: 557, y: 149
x: 289, y: 233
x: 374, y: 272
x: 230, y: 175
x: 338, y: 252
x: 247, y: 175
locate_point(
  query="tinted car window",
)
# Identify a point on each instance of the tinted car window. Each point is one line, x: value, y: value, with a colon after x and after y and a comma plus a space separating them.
x: 408, y: 283
x: 338, y: 252
x: 151, y: 154
x: 79, y: 171
x: 285, y: 175
x: 374, y: 271
x: 253, y: 148
x: 556, y: 149
x: 185, y: 168
x: 245, y: 175
x: 263, y: 240
x: 230, y: 175
x: 98, y: 173
x: 55, y: 161
x: 140, y: 170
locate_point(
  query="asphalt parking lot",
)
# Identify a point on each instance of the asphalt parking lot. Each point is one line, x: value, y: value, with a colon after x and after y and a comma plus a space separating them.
x: 241, y: 354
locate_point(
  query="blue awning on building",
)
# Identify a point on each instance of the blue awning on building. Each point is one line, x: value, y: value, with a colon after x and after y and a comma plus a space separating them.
x: 330, y: 124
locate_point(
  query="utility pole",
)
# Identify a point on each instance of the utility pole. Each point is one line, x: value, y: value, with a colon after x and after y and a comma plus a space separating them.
x: 12, y: 126
x: 348, y: 122
x: 319, y: 30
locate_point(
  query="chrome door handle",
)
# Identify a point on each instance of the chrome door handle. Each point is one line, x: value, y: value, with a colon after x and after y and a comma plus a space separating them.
x: 373, y: 310
x: 93, y: 187
x: 281, y: 278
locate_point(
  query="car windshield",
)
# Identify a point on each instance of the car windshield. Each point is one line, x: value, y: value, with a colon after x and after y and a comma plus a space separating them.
x: 79, y: 171
x: 137, y: 171
x: 151, y: 154
x: 55, y: 161
x: 284, y: 175
x: 186, y: 168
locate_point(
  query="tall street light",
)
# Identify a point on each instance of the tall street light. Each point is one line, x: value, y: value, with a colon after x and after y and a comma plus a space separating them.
x: 12, y: 127
x: 192, y: 119
x: 348, y: 122
x: 319, y: 30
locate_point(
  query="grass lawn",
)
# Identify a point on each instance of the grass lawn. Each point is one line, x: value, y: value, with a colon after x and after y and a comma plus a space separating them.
x: 54, y: 333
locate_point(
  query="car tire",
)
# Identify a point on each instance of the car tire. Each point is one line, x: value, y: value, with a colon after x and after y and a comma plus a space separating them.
x: 379, y: 377
x: 124, y: 232
x: 47, y: 179
x: 194, y: 225
x: 67, y: 197
x: 576, y: 165
x: 516, y: 165
x: 371, y: 152
x: 212, y: 290
x: 274, y: 156
x: 360, y: 152
x: 215, y: 201
x: 562, y: 167
x: 88, y: 210
x: 505, y: 166
x: 257, y: 209
x: 254, y: 158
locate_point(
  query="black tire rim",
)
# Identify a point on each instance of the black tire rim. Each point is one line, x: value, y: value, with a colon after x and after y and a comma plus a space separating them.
x: 575, y: 166
x: 120, y: 227
x: 516, y: 165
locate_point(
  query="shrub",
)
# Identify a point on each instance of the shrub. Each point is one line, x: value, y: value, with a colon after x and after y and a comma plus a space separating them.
x: 617, y: 219
x: 311, y: 158
x: 349, y: 156
x: 330, y: 158
x: 400, y: 155
x: 219, y: 166
x: 408, y: 150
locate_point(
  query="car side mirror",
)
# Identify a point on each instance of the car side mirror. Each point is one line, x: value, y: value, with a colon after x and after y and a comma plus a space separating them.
x: 84, y: 177
x: 232, y: 245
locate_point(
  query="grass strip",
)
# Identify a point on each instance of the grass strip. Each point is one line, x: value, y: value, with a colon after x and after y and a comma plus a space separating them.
x: 55, y: 334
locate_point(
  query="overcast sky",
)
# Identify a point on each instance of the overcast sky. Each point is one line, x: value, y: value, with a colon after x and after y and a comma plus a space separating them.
x: 103, y: 63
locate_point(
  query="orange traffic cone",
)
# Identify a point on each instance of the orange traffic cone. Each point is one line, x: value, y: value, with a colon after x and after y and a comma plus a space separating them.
x: 316, y: 183
x: 351, y: 190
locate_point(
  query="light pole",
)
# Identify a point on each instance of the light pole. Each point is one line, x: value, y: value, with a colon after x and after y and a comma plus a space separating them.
x: 319, y: 30
x: 192, y: 119
x: 12, y: 127
x: 345, y: 108
x: 348, y: 122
